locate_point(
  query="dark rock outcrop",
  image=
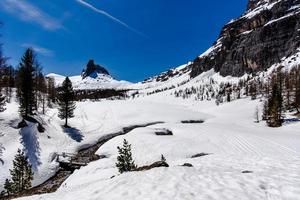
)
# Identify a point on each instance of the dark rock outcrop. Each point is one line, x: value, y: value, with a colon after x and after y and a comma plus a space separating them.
x: 192, y: 121
x: 163, y: 132
x: 93, y: 70
x: 187, y: 165
x: 199, y: 155
x: 154, y: 165
x: 266, y: 33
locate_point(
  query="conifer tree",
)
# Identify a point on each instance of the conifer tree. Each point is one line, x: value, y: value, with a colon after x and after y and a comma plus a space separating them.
x: 2, y: 66
x: 8, y: 187
x: 21, y: 173
x: 41, y: 90
x: 125, y: 162
x: 252, y: 90
x: 51, y: 91
x: 66, y: 102
x: 2, y: 101
x: 26, y: 74
x: 297, y: 88
x: 265, y: 113
x: 8, y: 81
x: 275, y: 107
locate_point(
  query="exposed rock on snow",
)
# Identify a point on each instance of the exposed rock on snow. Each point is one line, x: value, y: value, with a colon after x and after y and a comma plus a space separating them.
x: 200, y: 155
x: 192, y: 121
x: 163, y: 131
x: 153, y: 165
x: 187, y: 165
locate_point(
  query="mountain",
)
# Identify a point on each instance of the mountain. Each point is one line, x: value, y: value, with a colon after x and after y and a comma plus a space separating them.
x: 265, y: 37
x: 267, y: 32
x: 93, y: 70
x: 93, y: 77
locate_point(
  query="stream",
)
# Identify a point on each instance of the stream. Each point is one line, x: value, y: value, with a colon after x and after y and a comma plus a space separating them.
x: 84, y: 155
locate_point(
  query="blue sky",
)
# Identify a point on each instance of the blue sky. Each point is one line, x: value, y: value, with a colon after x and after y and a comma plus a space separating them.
x: 133, y: 39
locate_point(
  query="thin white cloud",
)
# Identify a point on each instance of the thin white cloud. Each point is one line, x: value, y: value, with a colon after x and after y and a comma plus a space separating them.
x: 30, y: 13
x: 102, y: 12
x: 38, y: 49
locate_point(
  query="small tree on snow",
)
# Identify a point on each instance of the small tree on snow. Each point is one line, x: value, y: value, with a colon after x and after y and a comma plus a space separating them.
x: 21, y: 174
x: 66, y: 101
x: 125, y: 162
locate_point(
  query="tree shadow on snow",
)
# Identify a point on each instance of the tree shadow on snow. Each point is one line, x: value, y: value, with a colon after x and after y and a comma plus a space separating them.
x: 31, y: 144
x: 73, y: 133
x: 1, y: 150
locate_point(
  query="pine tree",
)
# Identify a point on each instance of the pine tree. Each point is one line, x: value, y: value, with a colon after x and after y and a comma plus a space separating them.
x: 8, y: 82
x: 66, y: 102
x: 125, y: 161
x: 297, y: 90
x: 2, y: 66
x: 21, y: 173
x: 265, y: 113
x: 51, y: 91
x: 252, y: 90
x: 41, y: 90
x: 26, y: 74
x: 8, y: 187
x: 2, y: 102
x: 275, y: 107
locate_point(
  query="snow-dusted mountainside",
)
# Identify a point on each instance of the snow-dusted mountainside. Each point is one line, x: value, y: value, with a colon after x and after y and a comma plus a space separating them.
x: 265, y: 37
x: 267, y: 32
x: 99, y: 81
x: 93, y: 77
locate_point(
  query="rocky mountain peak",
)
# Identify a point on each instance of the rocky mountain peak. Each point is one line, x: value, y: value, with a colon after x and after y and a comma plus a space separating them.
x: 267, y: 32
x: 252, y: 4
x: 92, y: 70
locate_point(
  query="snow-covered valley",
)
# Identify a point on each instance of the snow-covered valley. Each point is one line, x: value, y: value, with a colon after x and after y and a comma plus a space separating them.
x: 235, y: 144
x: 224, y: 126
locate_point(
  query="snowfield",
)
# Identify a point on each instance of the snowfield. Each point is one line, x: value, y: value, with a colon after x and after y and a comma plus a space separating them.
x: 245, y: 160
x: 235, y: 144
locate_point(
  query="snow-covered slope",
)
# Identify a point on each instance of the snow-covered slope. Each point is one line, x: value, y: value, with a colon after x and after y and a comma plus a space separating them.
x: 234, y: 143
x: 98, y: 81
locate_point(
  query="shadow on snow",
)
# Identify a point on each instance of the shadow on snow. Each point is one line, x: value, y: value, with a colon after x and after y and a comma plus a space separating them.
x: 73, y: 133
x: 31, y: 144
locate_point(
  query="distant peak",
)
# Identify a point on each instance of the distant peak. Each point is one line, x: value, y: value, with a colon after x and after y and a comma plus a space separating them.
x: 92, y: 70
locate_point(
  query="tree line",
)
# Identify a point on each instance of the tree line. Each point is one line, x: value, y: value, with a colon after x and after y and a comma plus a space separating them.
x: 34, y: 92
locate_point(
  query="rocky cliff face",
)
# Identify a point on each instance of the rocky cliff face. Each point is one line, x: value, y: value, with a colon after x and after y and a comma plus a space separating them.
x: 266, y: 33
x: 92, y: 70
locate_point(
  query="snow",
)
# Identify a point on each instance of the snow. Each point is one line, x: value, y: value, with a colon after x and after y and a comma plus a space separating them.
x: 98, y: 81
x: 265, y: 5
x: 283, y: 17
x: 234, y: 143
